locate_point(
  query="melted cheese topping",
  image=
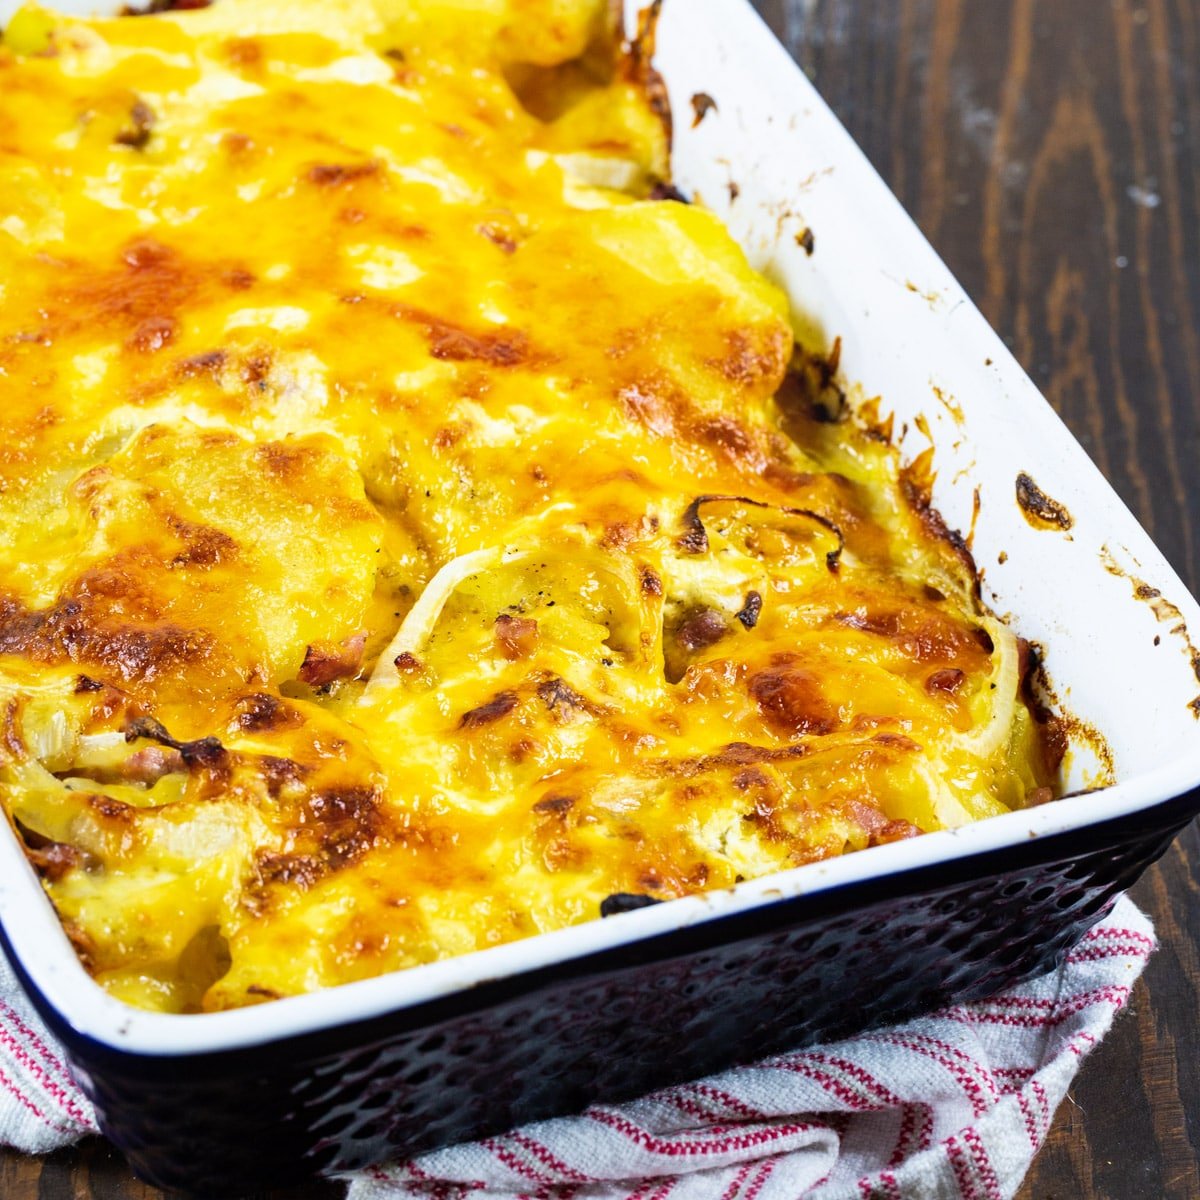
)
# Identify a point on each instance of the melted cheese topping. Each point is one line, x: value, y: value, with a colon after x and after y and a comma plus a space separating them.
x: 416, y: 534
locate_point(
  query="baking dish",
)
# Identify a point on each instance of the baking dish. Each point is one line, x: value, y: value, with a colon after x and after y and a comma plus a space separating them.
x: 424, y: 1057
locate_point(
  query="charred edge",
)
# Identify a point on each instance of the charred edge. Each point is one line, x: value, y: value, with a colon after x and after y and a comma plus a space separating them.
x: 667, y: 191
x: 1039, y: 509
x: 694, y: 538
x: 202, y: 752
x: 623, y: 902
x: 810, y: 388
x: 51, y: 859
x: 342, y: 824
x: 347, y: 823
x: 639, y: 67
x: 749, y: 612
x: 702, y: 105
x: 917, y: 494
x: 976, y: 509
x: 500, y: 705
x: 260, y: 711
x: 68, y: 632
x: 1034, y: 689
x: 563, y: 700
x: 827, y: 365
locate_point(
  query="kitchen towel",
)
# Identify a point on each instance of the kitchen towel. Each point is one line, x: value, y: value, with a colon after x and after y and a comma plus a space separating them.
x: 951, y: 1106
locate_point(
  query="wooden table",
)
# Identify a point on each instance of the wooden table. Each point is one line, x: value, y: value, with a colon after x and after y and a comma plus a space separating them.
x: 1050, y: 150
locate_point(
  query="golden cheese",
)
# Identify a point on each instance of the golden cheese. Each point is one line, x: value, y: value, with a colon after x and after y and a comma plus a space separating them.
x: 414, y: 532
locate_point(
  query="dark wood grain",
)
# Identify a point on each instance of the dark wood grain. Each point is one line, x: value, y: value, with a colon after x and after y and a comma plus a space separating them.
x: 1050, y: 149
x: 94, y: 1170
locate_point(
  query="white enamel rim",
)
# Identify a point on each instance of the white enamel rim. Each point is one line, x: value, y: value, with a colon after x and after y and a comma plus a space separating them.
x: 895, y: 304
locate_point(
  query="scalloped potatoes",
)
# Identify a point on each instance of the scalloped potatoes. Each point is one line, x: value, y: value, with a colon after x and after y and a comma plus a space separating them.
x: 415, y: 532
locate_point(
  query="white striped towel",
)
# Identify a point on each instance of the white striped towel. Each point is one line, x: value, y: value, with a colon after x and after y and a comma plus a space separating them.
x: 951, y: 1106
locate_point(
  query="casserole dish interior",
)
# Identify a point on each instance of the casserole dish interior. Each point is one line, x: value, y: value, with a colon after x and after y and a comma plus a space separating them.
x: 941, y: 368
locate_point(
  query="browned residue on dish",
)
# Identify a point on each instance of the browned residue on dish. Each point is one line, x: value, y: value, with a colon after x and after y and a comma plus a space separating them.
x: 976, y: 504
x: 702, y: 105
x: 1057, y: 728
x: 874, y: 424
x: 932, y: 298
x: 916, y: 485
x: 812, y: 178
x: 788, y: 216
x: 1040, y: 510
x: 949, y: 403
x: 1164, y: 612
